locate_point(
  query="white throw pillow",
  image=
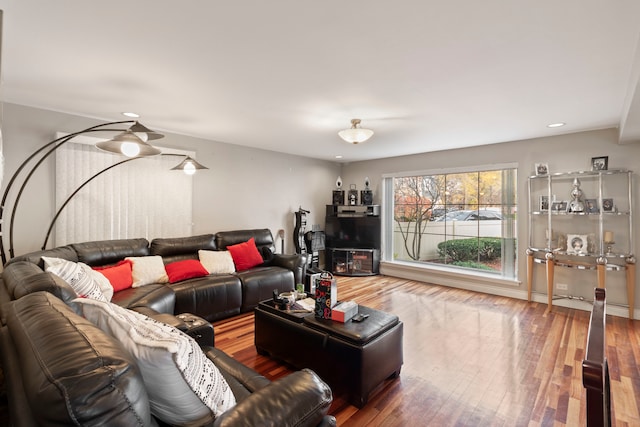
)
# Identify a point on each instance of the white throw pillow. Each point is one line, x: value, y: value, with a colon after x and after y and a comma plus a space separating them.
x: 217, y: 262
x: 184, y: 386
x: 146, y: 270
x: 101, y: 280
x: 78, y: 275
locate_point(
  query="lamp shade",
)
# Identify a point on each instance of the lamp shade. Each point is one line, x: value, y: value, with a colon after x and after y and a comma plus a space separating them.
x: 129, y: 144
x: 355, y: 134
x: 144, y: 133
x: 189, y: 166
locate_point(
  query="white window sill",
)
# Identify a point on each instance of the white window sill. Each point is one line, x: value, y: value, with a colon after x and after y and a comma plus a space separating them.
x: 452, y: 277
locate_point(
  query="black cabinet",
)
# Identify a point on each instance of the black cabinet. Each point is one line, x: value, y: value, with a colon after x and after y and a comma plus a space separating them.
x: 353, y: 262
x: 353, y: 237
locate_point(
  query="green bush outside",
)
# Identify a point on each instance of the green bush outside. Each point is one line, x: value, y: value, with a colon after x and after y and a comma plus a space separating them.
x: 474, y: 249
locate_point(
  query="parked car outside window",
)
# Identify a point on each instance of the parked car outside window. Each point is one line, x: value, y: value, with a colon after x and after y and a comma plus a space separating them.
x: 471, y: 215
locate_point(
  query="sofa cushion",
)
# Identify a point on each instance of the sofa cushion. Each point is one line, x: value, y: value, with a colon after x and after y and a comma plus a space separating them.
x: 120, y: 275
x: 158, y: 297
x: 73, y: 373
x: 175, y: 246
x: 245, y: 255
x: 262, y: 236
x: 212, y: 298
x: 24, y: 277
x: 183, y: 270
x: 259, y: 283
x: 79, y: 276
x: 110, y: 251
x: 147, y: 269
x: 184, y: 386
x: 217, y: 262
x: 64, y: 252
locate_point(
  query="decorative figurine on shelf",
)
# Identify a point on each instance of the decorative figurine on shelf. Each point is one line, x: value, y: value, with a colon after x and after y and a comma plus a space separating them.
x: 366, y: 195
x: 338, y: 195
x: 576, y: 205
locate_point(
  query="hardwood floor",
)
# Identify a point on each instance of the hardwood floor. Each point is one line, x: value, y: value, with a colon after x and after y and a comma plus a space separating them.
x: 472, y: 359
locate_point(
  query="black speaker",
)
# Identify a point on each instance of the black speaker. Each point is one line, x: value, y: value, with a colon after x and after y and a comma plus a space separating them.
x: 366, y: 197
x: 338, y: 197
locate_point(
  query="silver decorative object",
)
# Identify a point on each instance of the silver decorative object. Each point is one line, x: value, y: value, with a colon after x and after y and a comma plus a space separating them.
x: 576, y: 205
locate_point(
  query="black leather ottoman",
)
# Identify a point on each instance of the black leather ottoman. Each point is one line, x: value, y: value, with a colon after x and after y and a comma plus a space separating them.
x: 355, y: 357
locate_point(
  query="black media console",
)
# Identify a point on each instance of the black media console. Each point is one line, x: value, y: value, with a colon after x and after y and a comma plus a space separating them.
x: 353, y: 238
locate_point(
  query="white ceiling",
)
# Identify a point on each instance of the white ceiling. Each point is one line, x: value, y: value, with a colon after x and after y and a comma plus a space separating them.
x: 287, y: 75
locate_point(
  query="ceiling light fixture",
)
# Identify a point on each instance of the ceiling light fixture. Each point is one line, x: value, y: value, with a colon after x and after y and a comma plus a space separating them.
x: 556, y: 125
x: 132, y: 115
x: 355, y: 134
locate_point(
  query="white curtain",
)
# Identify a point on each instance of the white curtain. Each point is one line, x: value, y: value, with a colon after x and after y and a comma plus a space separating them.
x: 140, y: 198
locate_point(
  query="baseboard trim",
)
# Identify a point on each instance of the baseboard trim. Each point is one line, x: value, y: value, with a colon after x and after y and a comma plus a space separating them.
x: 487, y: 284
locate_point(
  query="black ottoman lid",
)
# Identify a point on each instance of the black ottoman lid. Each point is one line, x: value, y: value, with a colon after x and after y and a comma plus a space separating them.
x: 359, y: 333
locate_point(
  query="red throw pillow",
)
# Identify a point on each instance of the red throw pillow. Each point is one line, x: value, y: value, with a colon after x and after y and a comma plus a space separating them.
x: 119, y: 275
x: 183, y: 270
x: 245, y: 255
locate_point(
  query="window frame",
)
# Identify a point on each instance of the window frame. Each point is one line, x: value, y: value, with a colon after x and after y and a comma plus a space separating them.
x: 508, y: 274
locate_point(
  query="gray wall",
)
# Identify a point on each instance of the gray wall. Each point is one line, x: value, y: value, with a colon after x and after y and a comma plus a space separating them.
x: 569, y: 152
x: 243, y: 188
x: 251, y: 188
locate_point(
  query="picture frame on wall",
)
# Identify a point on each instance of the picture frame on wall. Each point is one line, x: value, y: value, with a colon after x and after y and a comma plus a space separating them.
x: 591, y: 206
x: 600, y: 163
x: 542, y: 169
x: 544, y: 203
x: 607, y: 205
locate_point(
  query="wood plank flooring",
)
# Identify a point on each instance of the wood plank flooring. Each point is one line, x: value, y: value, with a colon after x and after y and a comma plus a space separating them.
x: 472, y: 359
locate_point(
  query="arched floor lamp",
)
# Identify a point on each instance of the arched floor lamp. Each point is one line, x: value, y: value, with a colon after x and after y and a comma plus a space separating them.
x: 130, y: 141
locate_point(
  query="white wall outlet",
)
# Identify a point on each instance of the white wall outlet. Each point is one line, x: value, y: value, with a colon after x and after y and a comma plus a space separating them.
x: 562, y: 286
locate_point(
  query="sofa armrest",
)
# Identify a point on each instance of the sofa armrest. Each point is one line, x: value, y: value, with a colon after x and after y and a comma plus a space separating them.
x: 300, y: 399
x: 294, y: 262
x: 169, y: 319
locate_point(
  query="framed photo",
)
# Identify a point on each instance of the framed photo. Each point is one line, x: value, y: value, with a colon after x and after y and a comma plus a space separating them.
x: 591, y: 206
x: 599, y: 163
x: 577, y: 244
x: 607, y: 205
x: 544, y: 203
x: 559, y: 206
x: 542, y: 169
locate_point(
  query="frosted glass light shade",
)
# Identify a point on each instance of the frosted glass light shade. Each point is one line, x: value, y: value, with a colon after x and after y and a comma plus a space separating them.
x: 129, y: 144
x: 189, y: 166
x: 144, y: 133
x: 355, y: 134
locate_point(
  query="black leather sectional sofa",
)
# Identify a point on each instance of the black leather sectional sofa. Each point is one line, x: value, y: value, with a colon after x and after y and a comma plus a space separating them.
x: 60, y: 369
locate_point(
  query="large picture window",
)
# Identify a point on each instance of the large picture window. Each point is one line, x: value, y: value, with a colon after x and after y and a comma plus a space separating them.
x: 463, y: 220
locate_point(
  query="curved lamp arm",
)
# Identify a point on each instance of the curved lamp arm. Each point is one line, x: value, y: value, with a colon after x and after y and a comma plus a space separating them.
x: 56, y: 143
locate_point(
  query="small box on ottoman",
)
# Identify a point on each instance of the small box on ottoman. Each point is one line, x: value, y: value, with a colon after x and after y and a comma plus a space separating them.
x: 344, y: 311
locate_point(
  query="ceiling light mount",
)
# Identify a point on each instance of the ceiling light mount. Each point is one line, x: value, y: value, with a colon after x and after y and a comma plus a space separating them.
x: 355, y: 134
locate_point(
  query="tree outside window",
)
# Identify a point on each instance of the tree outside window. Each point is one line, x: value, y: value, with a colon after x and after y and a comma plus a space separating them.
x: 458, y: 219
